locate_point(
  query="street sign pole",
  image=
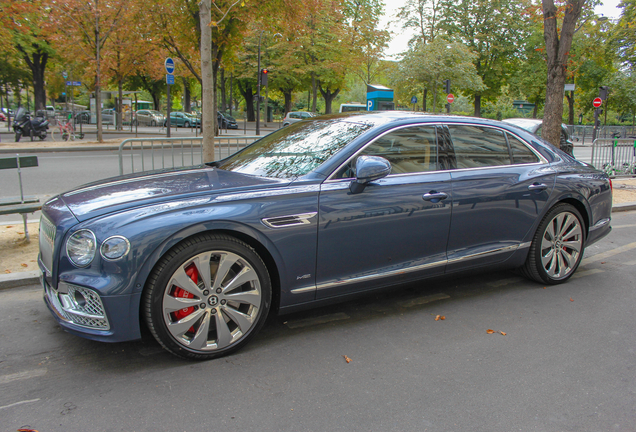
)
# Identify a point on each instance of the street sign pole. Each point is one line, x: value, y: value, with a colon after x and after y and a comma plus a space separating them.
x: 169, y: 65
x: 597, y: 104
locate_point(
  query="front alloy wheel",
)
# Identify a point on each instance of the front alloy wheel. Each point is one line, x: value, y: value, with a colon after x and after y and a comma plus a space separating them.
x: 557, y: 247
x: 207, y: 297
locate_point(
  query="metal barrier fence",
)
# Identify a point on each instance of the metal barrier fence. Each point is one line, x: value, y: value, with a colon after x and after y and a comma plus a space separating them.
x: 617, y: 157
x: 160, y: 153
x: 581, y: 134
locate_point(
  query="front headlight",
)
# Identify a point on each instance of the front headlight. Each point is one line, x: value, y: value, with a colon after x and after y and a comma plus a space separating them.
x: 115, y: 247
x: 80, y: 247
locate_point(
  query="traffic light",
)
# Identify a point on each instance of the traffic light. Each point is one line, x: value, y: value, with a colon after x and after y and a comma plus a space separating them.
x: 447, y: 86
x: 603, y: 90
x: 264, y: 73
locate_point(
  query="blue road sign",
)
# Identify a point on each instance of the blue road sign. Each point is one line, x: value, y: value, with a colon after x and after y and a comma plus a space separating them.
x: 169, y: 64
x: 74, y: 83
x: 414, y: 100
x: 170, y: 79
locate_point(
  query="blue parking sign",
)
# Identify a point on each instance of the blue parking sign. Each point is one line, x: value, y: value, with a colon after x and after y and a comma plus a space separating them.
x: 170, y: 79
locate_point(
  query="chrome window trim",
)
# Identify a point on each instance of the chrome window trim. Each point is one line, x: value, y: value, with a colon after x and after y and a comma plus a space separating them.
x: 542, y: 160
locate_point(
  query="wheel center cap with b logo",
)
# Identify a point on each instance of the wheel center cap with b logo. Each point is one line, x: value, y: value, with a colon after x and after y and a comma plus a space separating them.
x: 213, y: 300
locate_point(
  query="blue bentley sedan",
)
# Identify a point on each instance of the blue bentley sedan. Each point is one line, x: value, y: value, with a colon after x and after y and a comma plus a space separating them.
x: 310, y: 214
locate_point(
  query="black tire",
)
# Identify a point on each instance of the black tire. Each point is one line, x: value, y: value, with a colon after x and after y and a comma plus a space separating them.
x: 553, y: 256
x: 183, y: 321
x: 18, y: 135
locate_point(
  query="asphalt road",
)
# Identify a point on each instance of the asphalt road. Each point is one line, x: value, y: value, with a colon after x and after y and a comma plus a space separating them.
x: 566, y: 363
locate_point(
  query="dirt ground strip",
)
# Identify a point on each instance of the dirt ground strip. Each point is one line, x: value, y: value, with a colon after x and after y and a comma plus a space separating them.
x: 16, y: 255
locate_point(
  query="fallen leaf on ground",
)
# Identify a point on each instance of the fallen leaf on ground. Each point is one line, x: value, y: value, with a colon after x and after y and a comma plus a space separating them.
x: 603, y: 262
x: 20, y: 232
x: 571, y: 299
x: 24, y: 265
x: 490, y: 331
x: 9, y: 226
x: 7, y: 271
x: 437, y: 317
x: 503, y: 333
x: 347, y: 359
x: 442, y: 317
x: 545, y: 287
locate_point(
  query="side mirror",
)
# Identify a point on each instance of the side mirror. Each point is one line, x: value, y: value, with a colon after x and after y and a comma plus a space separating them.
x: 368, y: 169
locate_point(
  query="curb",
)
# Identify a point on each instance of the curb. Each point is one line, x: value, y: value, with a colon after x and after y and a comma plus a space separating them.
x: 17, y: 280
x: 23, y: 279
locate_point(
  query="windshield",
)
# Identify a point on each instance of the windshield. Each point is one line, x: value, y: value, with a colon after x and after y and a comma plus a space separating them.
x: 295, y: 150
x: 20, y: 114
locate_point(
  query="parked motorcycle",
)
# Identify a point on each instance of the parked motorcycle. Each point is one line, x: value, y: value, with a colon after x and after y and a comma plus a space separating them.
x: 25, y: 126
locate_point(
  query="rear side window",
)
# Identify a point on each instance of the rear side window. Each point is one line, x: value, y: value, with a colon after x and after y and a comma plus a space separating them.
x: 410, y: 150
x: 478, y: 146
x: 521, y: 154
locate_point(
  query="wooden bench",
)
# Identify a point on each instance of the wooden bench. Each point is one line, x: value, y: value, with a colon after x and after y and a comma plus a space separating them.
x: 22, y: 204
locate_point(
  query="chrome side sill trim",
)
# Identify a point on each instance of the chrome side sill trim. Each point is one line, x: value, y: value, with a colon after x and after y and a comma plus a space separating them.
x: 600, y: 224
x: 303, y: 290
x: 485, y: 253
x: 380, y: 275
x: 525, y: 245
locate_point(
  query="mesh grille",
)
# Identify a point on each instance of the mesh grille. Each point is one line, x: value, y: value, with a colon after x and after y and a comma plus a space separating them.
x: 89, y: 313
x: 47, y: 231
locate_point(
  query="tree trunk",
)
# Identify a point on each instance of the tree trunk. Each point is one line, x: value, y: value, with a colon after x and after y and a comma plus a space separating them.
x: 223, y: 91
x: 120, y: 105
x: 557, y: 52
x: 477, y: 105
x: 208, y: 116
x: 248, y: 95
x: 37, y: 63
x: 424, y: 99
x: 187, y: 95
x: 328, y: 96
x: 287, y: 94
x: 570, y: 98
x: 314, y: 91
x: 98, y: 88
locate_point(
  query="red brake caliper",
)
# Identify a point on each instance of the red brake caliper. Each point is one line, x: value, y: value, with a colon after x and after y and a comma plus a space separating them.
x: 193, y: 274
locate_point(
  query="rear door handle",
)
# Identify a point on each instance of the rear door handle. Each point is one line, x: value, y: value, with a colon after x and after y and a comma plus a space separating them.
x: 537, y: 187
x: 434, y: 196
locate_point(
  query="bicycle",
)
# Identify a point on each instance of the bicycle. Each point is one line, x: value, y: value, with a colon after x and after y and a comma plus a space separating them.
x: 64, y: 132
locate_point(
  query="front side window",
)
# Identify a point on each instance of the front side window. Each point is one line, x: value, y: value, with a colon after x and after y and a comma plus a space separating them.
x: 479, y: 146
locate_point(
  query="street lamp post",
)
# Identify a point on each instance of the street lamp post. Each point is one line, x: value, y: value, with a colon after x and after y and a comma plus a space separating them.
x: 258, y: 87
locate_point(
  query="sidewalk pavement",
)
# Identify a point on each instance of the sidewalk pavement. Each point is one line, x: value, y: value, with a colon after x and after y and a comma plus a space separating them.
x: 14, y: 280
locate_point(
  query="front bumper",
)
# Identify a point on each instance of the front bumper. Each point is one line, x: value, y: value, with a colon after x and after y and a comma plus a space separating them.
x: 82, y: 312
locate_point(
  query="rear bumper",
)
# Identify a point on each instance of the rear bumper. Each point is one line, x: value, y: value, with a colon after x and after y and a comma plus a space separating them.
x: 598, y: 231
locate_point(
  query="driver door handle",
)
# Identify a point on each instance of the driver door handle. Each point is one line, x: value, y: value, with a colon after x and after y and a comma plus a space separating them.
x: 537, y: 187
x: 434, y: 195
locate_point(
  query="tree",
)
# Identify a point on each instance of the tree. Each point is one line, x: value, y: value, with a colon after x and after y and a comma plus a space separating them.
x: 422, y: 16
x: 494, y: 30
x: 557, y: 48
x: 431, y: 64
x: 624, y: 37
x: 84, y: 27
x: 24, y: 25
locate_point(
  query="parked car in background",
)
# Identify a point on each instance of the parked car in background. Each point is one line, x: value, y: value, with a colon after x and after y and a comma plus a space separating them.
x: 149, y: 118
x: 536, y: 125
x: 226, y: 121
x: 353, y: 106
x: 296, y: 116
x: 83, y: 117
x: 312, y: 213
x: 108, y: 116
x: 3, y: 117
x: 181, y: 119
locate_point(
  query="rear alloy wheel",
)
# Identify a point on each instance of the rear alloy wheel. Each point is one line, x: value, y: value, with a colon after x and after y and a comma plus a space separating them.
x: 207, y: 297
x: 557, y: 247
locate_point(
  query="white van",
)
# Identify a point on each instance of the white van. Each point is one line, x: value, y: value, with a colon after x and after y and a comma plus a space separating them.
x: 353, y: 106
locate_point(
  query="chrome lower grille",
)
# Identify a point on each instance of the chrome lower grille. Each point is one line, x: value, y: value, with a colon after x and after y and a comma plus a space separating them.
x: 47, y: 242
x: 78, y: 305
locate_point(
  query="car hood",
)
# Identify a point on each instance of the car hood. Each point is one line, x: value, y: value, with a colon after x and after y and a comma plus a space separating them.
x: 118, y: 193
